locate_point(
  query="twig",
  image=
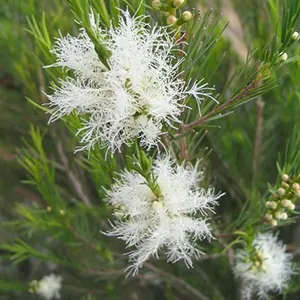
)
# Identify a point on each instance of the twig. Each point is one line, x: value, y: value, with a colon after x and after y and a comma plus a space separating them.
x: 230, y: 253
x: 214, y: 287
x: 183, y: 145
x: 71, y: 175
x: 176, y: 281
x: 104, y: 273
x: 168, y: 145
x: 167, y: 276
x: 81, y: 238
x: 220, y: 108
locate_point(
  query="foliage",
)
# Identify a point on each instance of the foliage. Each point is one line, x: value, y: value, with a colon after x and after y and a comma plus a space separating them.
x: 54, y: 219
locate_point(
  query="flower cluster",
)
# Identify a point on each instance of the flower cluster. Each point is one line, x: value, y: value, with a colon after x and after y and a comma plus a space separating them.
x: 171, y: 218
x: 265, y: 267
x: 135, y: 97
x: 48, y: 287
x: 282, y: 203
x: 172, y: 7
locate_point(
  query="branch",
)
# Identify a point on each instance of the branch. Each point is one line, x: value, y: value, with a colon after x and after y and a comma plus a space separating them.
x: 71, y: 175
x: 183, y: 145
x: 220, y: 108
x: 177, y: 282
x: 166, y: 276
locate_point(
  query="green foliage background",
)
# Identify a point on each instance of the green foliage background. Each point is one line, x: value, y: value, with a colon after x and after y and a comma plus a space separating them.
x: 39, y: 170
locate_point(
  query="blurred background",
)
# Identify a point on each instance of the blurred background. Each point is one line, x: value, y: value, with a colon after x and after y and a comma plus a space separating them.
x: 242, y: 160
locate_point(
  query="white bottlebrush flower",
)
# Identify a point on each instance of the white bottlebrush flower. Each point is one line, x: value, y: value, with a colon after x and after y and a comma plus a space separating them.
x: 170, y: 220
x: 139, y: 93
x: 49, y: 287
x: 267, y: 268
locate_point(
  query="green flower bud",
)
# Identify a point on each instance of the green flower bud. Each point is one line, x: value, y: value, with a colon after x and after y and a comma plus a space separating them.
x: 291, y: 206
x: 156, y: 4
x: 281, y: 191
x: 187, y: 16
x: 274, y: 223
x: 278, y: 215
x: 171, y: 20
x: 286, y: 203
x: 178, y: 3
x: 283, y: 56
x: 268, y: 217
x: 295, y: 36
x: 273, y: 205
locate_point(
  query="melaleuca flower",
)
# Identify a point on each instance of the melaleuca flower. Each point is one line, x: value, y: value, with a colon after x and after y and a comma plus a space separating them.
x: 264, y: 268
x: 170, y: 217
x: 48, y: 287
x: 136, y: 96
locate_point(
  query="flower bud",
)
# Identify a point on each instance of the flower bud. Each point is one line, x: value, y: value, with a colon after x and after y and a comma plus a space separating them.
x: 273, y: 205
x: 283, y: 56
x: 156, y: 4
x: 286, y: 203
x: 296, y: 186
x: 291, y: 206
x: 62, y: 212
x: 187, y: 16
x: 278, y: 215
x: 284, y: 177
x: 171, y: 20
x: 257, y: 263
x: 157, y: 205
x: 268, y: 217
x: 284, y: 185
x: 295, y: 36
x: 259, y: 254
x: 178, y: 3
x: 281, y: 191
x: 297, y: 194
x: 284, y: 216
x: 274, y: 223
x: 49, y: 208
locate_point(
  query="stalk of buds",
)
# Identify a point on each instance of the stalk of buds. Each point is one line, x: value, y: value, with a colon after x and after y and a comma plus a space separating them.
x: 282, y: 202
x: 170, y: 10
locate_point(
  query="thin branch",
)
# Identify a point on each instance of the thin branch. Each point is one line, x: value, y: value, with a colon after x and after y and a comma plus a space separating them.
x: 220, y: 108
x: 222, y: 241
x: 183, y: 145
x: 166, y: 276
x: 104, y: 273
x: 177, y: 282
x: 82, y: 239
x: 167, y: 144
x: 71, y: 175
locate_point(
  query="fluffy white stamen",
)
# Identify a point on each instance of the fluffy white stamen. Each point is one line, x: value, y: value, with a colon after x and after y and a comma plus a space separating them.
x: 139, y: 93
x: 270, y: 272
x: 170, y: 222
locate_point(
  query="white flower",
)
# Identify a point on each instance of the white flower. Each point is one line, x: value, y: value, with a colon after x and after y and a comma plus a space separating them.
x: 170, y: 219
x: 49, y: 287
x: 139, y: 93
x: 268, y: 268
